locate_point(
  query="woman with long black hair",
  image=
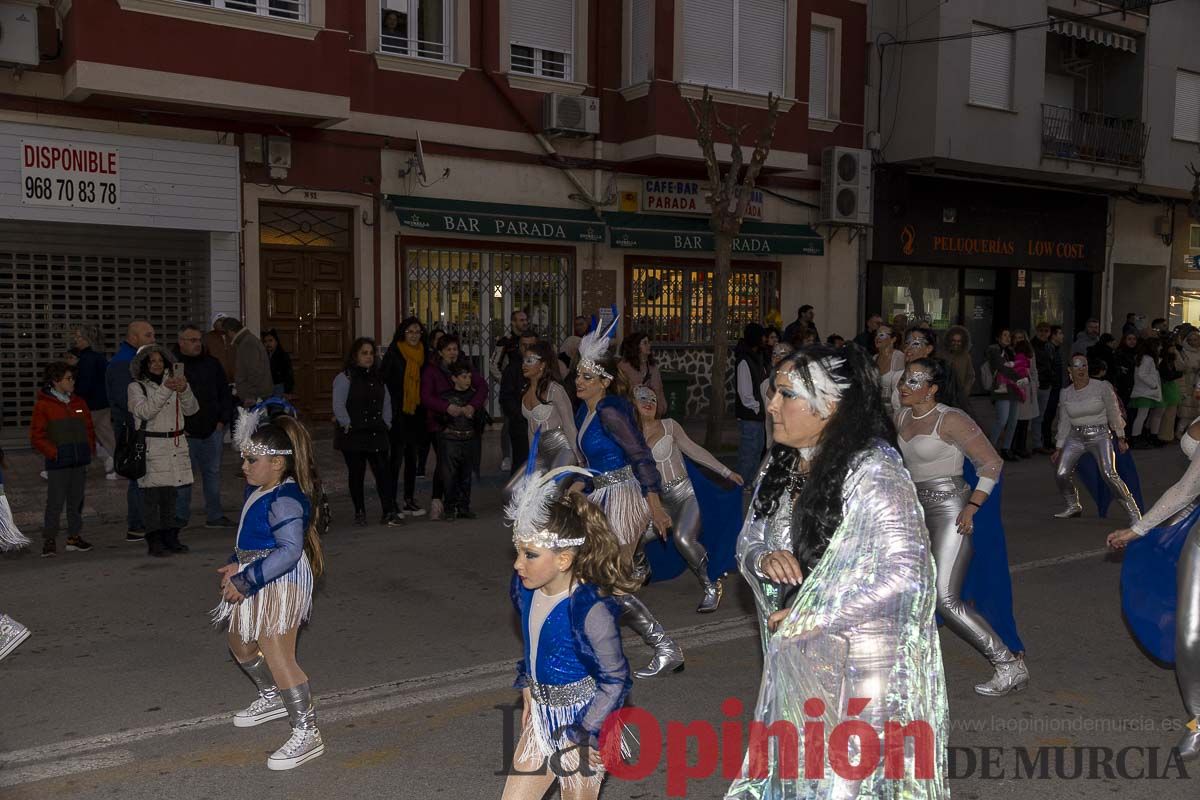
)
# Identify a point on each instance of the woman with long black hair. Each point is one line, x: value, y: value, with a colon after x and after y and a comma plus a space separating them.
x: 836, y: 515
x: 547, y: 410
x: 401, y: 372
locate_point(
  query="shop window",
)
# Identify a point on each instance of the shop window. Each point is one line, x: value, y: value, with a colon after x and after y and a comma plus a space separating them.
x: 735, y: 44
x: 298, y: 226
x: 542, y: 37
x: 1052, y: 299
x: 1194, y: 237
x: 1185, y: 302
x: 283, y: 9
x: 923, y: 294
x: 673, y: 304
x: 415, y: 28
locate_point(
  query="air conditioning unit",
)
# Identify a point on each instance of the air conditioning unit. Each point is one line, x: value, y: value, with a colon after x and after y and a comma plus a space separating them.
x: 19, y: 33
x: 845, y: 186
x: 568, y: 115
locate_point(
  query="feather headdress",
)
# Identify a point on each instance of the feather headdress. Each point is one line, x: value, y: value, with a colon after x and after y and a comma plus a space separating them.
x: 594, y: 346
x: 818, y: 384
x: 528, y: 509
x: 248, y: 422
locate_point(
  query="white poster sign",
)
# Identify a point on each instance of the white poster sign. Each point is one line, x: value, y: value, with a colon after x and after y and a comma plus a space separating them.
x: 70, y: 175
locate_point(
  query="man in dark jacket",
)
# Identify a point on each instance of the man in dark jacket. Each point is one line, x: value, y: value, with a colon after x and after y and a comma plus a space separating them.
x: 750, y: 406
x: 206, y: 428
x: 90, y: 385
x: 510, y: 402
x: 116, y: 382
x: 1043, y: 354
x: 866, y: 339
x: 1054, y: 380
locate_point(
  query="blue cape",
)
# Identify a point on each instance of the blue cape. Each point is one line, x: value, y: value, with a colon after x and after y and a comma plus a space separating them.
x: 1089, y: 474
x: 720, y: 524
x: 988, y: 585
x: 1149, y: 587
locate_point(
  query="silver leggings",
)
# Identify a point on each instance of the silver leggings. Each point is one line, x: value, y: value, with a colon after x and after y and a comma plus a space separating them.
x: 1096, y: 440
x: 679, y: 500
x: 1187, y: 621
x: 554, y: 450
x: 943, y: 500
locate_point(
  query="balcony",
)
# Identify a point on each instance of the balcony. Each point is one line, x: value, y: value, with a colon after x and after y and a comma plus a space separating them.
x: 1092, y: 137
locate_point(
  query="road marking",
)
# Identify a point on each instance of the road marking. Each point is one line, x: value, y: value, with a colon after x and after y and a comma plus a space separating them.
x: 66, y: 756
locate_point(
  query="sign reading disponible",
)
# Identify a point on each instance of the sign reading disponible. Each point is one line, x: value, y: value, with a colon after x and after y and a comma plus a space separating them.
x: 70, y: 175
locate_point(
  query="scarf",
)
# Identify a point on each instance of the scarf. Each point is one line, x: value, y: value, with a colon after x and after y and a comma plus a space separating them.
x: 414, y: 357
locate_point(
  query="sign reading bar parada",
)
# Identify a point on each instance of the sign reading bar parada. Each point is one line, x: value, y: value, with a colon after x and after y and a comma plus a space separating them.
x: 668, y: 195
x: 70, y: 174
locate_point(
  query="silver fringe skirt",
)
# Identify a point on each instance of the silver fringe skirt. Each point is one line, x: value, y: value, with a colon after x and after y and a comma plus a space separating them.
x: 620, y: 496
x: 283, y: 604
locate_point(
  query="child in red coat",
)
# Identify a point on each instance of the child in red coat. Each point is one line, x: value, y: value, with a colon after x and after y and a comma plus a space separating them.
x: 61, y: 430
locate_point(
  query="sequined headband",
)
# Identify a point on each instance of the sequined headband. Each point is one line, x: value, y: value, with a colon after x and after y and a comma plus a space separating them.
x: 546, y: 540
x: 587, y: 365
x: 260, y: 449
x: 826, y: 387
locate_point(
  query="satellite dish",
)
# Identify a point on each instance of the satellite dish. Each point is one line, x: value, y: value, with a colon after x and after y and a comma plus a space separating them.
x: 418, y: 162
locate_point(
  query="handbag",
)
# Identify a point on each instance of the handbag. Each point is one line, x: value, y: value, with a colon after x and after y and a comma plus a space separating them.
x: 130, y: 459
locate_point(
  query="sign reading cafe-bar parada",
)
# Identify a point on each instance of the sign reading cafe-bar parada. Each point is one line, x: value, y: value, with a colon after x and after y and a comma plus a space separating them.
x: 668, y: 195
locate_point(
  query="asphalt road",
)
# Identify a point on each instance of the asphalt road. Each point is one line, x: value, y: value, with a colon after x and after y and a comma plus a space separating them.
x: 125, y: 690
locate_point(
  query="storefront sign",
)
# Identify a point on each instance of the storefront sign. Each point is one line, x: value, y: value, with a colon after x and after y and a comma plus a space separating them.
x: 70, y: 175
x: 687, y: 197
x: 647, y: 232
x: 495, y: 219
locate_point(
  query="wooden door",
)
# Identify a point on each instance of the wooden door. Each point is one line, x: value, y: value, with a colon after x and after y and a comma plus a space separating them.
x: 306, y: 298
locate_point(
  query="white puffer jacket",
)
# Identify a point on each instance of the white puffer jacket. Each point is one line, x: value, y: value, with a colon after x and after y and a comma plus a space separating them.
x: 158, y: 409
x: 1146, y: 380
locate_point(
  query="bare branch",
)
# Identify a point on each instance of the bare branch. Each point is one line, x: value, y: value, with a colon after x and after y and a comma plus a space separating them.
x: 762, y: 148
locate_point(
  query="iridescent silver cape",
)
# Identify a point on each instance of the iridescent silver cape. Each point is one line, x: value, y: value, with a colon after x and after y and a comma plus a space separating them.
x: 861, y: 626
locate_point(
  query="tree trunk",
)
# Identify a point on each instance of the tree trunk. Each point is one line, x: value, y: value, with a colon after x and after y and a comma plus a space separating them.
x: 723, y: 243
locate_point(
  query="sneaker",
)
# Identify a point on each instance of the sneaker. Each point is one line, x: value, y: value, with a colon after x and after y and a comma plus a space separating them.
x: 360, y: 519
x: 135, y: 535
x: 43, y: 475
x: 12, y: 633
x: 49, y: 549
x: 77, y: 543
x: 393, y: 520
x: 217, y: 524
x: 505, y: 464
x: 435, y: 510
x: 261, y: 710
x: 109, y: 466
x: 303, y: 747
x: 411, y: 509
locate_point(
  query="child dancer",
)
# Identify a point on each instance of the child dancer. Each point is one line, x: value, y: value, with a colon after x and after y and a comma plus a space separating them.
x: 12, y: 633
x: 574, y: 673
x: 267, y: 584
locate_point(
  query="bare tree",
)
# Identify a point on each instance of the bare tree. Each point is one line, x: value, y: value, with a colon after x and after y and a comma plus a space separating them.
x: 728, y: 196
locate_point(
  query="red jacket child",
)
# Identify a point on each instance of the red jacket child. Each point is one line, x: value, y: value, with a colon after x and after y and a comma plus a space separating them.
x: 62, y: 432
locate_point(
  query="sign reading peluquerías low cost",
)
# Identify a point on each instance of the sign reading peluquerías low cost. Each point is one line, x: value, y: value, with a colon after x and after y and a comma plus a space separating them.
x: 70, y: 174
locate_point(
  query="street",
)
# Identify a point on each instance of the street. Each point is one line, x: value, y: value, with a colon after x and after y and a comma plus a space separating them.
x: 125, y: 689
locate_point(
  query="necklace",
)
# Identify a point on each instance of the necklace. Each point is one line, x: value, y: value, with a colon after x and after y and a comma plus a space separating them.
x: 926, y: 414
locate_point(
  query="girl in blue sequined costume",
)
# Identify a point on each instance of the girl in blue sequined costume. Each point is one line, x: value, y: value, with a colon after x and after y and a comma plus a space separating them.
x: 12, y: 633
x: 267, y: 585
x: 574, y: 673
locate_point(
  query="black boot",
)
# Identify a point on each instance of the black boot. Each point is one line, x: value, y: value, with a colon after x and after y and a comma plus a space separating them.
x: 170, y: 541
x: 154, y: 544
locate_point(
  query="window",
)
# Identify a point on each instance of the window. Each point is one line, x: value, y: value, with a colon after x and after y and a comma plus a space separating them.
x: 415, y: 28
x: 1194, y: 237
x: 542, y: 37
x: 819, y: 72
x: 1187, y: 106
x: 283, y: 9
x: 673, y: 304
x: 641, y: 46
x: 991, y: 66
x: 735, y: 44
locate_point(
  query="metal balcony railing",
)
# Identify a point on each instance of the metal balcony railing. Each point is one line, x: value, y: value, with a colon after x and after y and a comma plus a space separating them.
x: 1094, y: 137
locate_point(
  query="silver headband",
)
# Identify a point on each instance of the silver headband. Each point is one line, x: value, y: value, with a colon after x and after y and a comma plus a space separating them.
x: 547, y: 540
x: 587, y: 365
x: 259, y: 449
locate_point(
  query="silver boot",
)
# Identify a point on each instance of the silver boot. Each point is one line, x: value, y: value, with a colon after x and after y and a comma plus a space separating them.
x: 1189, y: 745
x: 667, y: 654
x: 712, y: 589
x: 12, y: 633
x: 269, y: 704
x: 1072, y: 511
x: 1011, y: 676
x: 305, y: 743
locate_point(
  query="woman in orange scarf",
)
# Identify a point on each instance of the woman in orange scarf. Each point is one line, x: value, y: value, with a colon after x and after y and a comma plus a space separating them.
x: 402, y: 373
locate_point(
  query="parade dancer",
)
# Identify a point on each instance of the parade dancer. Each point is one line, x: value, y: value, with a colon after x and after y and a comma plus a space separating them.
x: 936, y: 438
x: 861, y: 625
x: 1089, y: 415
x: 1165, y: 615
x: 669, y: 443
x: 625, y: 483
x: 574, y: 673
x: 12, y: 633
x: 548, y: 410
x: 268, y: 583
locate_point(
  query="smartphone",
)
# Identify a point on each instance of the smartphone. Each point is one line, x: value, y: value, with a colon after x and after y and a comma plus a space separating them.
x: 177, y: 370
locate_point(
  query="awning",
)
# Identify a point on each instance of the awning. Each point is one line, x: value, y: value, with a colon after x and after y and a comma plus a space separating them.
x: 1088, y: 33
x: 692, y: 235
x: 497, y: 219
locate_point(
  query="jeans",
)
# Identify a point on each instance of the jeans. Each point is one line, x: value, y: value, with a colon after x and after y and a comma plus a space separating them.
x: 206, y: 462
x: 64, y: 487
x: 752, y: 438
x: 455, y: 460
x: 1005, y: 426
x: 135, y: 514
x: 1036, y: 424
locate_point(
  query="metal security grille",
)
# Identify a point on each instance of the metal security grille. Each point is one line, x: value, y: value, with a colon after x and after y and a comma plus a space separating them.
x: 53, y: 277
x: 673, y: 304
x: 472, y: 293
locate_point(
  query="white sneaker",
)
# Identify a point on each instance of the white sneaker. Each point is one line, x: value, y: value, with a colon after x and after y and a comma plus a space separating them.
x: 43, y: 475
x: 12, y: 633
x: 435, y: 510
x: 303, y: 747
x: 111, y: 476
x: 260, y: 711
x: 109, y: 466
x: 505, y: 464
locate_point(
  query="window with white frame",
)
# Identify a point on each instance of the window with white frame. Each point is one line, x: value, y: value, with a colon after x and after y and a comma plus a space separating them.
x: 419, y: 28
x: 992, y: 52
x: 1187, y: 106
x: 820, y: 72
x: 641, y: 46
x: 282, y: 9
x: 735, y: 44
x: 542, y: 37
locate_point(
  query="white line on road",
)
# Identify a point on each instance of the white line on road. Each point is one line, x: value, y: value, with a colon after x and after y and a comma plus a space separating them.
x: 367, y: 700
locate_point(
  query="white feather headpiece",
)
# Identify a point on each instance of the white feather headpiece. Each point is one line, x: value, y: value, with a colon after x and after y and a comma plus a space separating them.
x: 594, y: 346
x: 248, y: 422
x: 818, y: 385
x: 528, y: 510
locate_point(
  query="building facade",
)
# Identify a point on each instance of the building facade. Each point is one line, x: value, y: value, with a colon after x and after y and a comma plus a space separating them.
x: 348, y: 163
x: 1032, y: 161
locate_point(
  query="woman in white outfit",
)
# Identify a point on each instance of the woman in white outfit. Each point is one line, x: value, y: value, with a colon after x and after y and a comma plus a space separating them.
x: 890, y: 363
x: 548, y: 411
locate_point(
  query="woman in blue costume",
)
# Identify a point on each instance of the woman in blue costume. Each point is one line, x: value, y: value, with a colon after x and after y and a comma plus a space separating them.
x: 704, y: 533
x: 624, y: 483
x: 267, y: 585
x: 937, y: 438
x: 574, y: 673
x: 12, y: 633
x: 1165, y: 614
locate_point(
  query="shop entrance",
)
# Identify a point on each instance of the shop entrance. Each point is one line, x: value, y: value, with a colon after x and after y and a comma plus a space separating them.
x: 307, y: 295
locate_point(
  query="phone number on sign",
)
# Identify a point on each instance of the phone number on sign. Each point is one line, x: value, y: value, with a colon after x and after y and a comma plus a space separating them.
x: 66, y: 190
